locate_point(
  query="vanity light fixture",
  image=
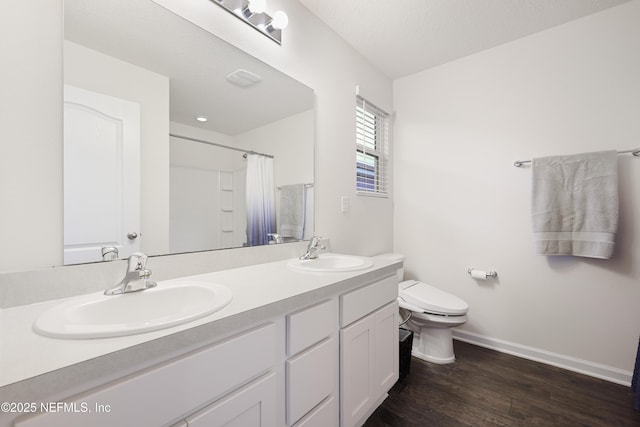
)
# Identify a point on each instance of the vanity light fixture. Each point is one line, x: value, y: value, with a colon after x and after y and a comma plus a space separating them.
x: 253, y: 7
x: 279, y: 21
x: 252, y: 12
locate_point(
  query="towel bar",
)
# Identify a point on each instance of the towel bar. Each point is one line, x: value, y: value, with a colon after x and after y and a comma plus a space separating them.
x: 634, y: 152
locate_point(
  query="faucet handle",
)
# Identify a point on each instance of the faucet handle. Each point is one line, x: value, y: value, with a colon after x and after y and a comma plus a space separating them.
x: 136, y: 277
x: 145, y: 273
x: 315, y: 242
x: 141, y: 265
x: 137, y: 261
x: 314, y: 248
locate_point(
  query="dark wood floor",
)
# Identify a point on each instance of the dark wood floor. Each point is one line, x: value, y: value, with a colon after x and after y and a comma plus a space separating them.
x: 488, y: 388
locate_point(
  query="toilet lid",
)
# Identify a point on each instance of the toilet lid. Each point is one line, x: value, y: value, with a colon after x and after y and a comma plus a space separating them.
x: 431, y: 299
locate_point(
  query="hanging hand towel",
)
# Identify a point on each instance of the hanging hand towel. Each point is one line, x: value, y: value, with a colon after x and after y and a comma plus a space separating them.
x: 292, y: 211
x: 574, y: 204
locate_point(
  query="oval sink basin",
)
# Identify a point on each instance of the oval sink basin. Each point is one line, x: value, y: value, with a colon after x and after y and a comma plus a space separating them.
x: 101, y: 316
x: 328, y: 262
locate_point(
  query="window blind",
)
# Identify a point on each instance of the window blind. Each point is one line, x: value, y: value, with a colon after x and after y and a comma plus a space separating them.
x: 372, y: 149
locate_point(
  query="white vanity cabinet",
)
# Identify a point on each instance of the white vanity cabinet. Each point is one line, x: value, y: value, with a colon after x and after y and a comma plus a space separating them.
x: 326, y: 358
x: 235, y: 374
x: 312, y: 366
x: 368, y: 349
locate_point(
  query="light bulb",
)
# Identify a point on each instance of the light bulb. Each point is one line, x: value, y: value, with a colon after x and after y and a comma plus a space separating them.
x: 280, y: 20
x: 257, y: 6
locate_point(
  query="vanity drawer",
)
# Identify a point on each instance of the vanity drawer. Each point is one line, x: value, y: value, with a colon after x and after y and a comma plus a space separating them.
x: 252, y: 406
x: 166, y: 392
x: 326, y: 414
x: 310, y: 378
x: 309, y: 326
x: 357, y: 304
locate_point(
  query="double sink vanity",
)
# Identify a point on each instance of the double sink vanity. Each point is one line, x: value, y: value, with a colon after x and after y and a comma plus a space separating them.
x: 286, y: 343
x: 282, y: 342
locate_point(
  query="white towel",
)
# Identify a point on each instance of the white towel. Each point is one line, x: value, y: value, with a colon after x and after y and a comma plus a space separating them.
x: 292, y: 211
x: 574, y: 205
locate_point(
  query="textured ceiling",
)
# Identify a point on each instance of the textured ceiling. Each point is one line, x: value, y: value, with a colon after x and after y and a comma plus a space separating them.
x: 402, y: 37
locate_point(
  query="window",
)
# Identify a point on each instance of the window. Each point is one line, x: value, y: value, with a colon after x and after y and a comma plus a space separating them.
x: 372, y: 149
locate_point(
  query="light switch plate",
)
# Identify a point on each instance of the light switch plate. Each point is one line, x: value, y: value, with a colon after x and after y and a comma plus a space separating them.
x: 344, y: 202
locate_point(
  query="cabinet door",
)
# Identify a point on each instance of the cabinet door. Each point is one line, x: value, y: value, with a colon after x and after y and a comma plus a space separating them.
x: 357, y: 370
x: 386, y: 348
x: 251, y: 406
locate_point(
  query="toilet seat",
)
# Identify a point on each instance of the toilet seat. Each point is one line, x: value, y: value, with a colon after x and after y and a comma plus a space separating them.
x: 421, y: 297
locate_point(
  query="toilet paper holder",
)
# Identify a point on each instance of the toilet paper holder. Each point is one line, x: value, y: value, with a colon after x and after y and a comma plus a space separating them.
x: 480, y: 274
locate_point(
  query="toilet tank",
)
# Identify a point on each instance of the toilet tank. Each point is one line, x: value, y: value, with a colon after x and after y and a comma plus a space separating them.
x: 394, y: 258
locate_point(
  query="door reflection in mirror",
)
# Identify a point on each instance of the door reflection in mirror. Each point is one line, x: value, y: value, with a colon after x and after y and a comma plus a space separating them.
x: 101, y: 175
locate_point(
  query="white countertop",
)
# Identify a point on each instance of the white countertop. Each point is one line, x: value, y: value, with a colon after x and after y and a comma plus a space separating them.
x: 25, y: 354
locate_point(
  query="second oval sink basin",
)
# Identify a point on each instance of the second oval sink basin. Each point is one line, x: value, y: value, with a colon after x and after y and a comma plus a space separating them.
x: 101, y: 316
x: 328, y: 262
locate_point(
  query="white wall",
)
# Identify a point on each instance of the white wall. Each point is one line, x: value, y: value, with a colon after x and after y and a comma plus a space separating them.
x: 92, y: 70
x: 460, y: 202
x: 290, y: 141
x: 202, y: 156
x: 316, y: 56
x: 196, y: 218
x: 31, y: 142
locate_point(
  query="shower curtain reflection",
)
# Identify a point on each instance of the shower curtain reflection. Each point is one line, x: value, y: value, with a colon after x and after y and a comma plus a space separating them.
x: 260, y: 194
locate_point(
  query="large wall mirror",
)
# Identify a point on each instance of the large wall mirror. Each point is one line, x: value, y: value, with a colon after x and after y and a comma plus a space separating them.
x: 170, y: 131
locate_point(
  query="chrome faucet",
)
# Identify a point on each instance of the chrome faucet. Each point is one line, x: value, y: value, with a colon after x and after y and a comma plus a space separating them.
x: 275, y: 238
x: 109, y: 253
x: 136, y: 277
x: 314, y: 248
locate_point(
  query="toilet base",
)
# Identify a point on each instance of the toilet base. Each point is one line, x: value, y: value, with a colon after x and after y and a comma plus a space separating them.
x: 432, y: 359
x: 434, y: 345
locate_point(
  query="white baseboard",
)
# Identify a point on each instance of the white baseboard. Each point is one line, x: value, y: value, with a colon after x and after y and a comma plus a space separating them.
x: 592, y: 369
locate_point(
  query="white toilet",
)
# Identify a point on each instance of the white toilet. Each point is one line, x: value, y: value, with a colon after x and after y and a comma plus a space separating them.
x: 433, y: 313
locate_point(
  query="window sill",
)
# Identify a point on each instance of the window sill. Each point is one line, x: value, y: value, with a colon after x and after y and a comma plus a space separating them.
x: 372, y: 194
